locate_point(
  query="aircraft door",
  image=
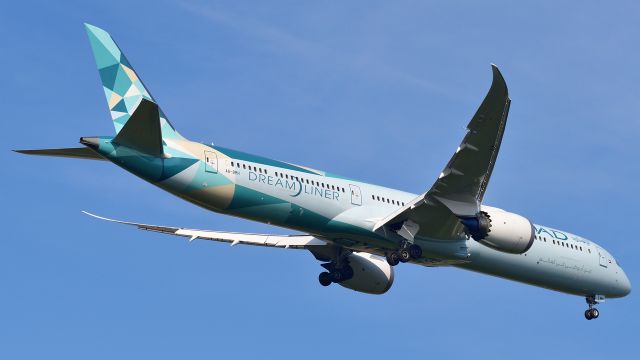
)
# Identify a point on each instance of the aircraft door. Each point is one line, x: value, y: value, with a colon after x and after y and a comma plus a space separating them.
x: 603, y: 258
x: 356, y: 195
x: 210, y: 162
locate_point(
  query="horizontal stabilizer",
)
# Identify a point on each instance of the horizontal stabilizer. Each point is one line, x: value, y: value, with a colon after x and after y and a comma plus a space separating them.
x: 78, y: 153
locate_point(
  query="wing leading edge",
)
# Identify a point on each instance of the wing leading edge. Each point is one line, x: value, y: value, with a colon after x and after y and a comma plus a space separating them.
x: 282, y: 241
x: 458, y: 192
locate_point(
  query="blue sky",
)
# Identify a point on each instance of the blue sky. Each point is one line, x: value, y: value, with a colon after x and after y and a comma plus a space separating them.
x: 374, y: 90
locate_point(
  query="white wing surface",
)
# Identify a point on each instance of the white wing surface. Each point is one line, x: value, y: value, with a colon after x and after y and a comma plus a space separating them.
x: 283, y: 241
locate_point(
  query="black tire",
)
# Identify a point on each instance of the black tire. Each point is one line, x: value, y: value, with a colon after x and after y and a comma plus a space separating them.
x: 337, y: 276
x: 587, y: 314
x: 415, y: 251
x: 594, y: 313
x: 392, y: 258
x: 324, y: 278
x: 404, y: 255
x: 347, y: 272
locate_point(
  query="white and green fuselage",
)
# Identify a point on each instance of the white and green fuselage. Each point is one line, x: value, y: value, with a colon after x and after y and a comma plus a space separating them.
x: 345, y: 222
x: 310, y: 201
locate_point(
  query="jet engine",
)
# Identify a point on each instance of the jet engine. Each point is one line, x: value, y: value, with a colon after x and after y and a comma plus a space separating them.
x: 501, y: 230
x: 371, y: 274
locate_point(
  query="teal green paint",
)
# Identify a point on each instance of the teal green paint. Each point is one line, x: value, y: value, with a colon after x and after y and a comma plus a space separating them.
x: 274, y: 213
x: 122, y: 82
x: 245, y: 197
x: 558, y: 235
x: 108, y: 75
x: 173, y: 166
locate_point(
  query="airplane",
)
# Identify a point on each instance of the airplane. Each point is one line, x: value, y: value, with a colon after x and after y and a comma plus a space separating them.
x: 358, y: 231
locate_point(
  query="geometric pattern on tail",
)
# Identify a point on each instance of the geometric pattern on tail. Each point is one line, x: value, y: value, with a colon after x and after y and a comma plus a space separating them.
x: 122, y: 87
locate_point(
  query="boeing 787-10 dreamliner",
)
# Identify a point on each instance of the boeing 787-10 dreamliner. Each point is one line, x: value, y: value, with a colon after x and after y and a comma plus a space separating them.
x: 358, y: 231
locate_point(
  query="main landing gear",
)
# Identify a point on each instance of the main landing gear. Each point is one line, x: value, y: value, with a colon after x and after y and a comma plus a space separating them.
x: 335, y: 274
x: 406, y: 252
x: 593, y: 313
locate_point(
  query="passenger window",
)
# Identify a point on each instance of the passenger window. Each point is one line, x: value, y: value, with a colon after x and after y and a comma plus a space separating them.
x: 373, y: 197
x: 232, y: 164
x: 244, y: 166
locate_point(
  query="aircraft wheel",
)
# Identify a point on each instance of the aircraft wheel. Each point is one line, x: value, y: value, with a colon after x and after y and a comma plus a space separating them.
x: 324, y: 278
x: 587, y: 314
x: 347, y: 272
x: 404, y: 255
x: 337, y: 276
x: 594, y: 313
x: 392, y: 258
x: 415, y: 251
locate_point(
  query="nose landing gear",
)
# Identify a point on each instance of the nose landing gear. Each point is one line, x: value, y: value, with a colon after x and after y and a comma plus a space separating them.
x: 593, y: 313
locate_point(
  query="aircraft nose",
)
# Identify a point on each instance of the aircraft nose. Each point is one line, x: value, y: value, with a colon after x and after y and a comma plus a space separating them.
x: 624, y: 285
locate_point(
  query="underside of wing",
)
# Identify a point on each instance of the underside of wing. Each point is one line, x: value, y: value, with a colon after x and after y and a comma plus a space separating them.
x: 457, y: 193
x: 463, y: 182
x: 284, y: 241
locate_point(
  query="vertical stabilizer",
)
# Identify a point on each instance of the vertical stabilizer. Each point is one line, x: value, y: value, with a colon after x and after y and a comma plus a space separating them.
x: 122, y: 86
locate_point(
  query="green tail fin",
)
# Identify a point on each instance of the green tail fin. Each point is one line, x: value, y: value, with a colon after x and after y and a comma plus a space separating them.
x: 123, y: 87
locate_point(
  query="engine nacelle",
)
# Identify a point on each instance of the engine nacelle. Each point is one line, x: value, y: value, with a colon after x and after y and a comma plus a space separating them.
x: 508, y: 232
x: 371, y: 274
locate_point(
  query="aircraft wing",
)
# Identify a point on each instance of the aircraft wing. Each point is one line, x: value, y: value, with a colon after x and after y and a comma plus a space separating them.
x: 283, y: 241
x: 458, y: 191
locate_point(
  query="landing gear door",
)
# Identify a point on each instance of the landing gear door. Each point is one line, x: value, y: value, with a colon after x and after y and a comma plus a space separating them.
x: 356, y: 195
x: 210, y: 162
